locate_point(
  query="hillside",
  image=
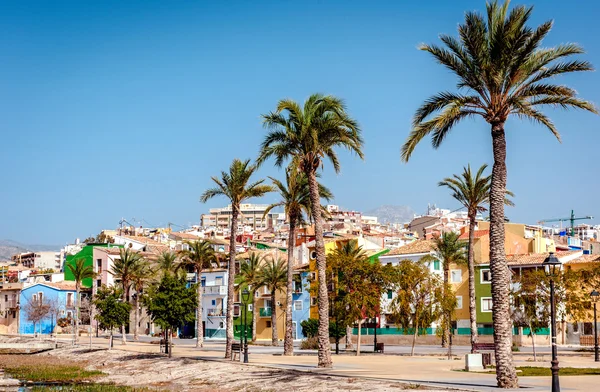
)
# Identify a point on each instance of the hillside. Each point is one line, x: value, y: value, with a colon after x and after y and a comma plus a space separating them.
x: 10, y: 247
x: 392, y: 214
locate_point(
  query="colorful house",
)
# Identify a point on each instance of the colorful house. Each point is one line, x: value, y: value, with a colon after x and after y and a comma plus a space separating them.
x: 61, y: 299
x: 86, y: 253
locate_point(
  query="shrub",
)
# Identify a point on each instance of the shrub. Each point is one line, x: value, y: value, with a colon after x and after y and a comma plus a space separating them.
x: 310, y: 327
x: 309, y: 344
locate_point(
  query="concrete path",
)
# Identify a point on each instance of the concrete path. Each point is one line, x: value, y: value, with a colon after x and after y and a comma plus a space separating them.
x: 428, y: 370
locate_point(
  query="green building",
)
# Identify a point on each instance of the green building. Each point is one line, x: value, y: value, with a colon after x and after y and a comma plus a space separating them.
x: 86, y: 253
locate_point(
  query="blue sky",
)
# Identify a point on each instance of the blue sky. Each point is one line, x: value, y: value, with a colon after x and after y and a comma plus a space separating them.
x: 125, y: 109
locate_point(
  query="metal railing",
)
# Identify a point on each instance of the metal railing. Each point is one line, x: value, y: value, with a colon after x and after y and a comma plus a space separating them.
x: 215, y: 312
x: 265, y: 312
x: 214, y: 290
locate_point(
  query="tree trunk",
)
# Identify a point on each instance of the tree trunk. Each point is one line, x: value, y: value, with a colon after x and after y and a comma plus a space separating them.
x: 77, y: 290
x: 125, y: 298
x: 170, y: 340
x: 348, y: 337
x: 110, y: 340
x: 324, y: 353
x: 136, y: 318
x: 288, y: 343
x: 199, y: 329
x: 358, y: 339
x: 231, y: 277
x: 471, y: 264
x: 412, y: 349
x: 253, y: 315
x: 533, y: 345
x: 274, y: 336
x: 506, y: 375
x: 446, y: 320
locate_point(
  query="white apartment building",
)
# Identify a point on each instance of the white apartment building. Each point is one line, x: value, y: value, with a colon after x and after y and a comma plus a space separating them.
x: 251, y: 215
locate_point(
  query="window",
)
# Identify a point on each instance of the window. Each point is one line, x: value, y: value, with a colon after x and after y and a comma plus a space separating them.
x: 459, y: 304
x: 214, y: 302
x: 69, y: 299
x: 390, y: 293
x: 268, y: 323
x: 236, y: 310
x: 268, y: 303
x: 69, y: 314
x: 34, y: 298
x: 455, y: 276
x: 588, y: 328
x: 203, y: 282
x: 297, y: 305
x: 41, y: 297
x: 219, y: 281
x: 436, y: 265
x: 313, y: 301
x: 486, y: 304
x: 486, y: 276
x: 6, y: 298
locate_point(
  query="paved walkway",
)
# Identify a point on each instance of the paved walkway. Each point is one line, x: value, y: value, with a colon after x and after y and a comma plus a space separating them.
x: 433, y: 370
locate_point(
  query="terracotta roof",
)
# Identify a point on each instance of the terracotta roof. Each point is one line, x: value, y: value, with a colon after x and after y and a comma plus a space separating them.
x: 584, y: 259
x: 476, y: 234
x: 186, y: 236
x: 534, y: 258
x: 415, y: 247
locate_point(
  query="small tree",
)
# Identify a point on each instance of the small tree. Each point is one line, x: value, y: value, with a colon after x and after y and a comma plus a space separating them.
x: 35, y: 311
x: 80, y: 272
x: 418, y: 294
x: 310, y: 327
x: 171, y: 304
x: 112, y: 311
x: 272, y: 274
x: 249, y: 276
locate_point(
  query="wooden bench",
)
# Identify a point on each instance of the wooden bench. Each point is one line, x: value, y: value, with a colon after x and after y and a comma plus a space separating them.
x: 379, y: 348
x: 487, y: 352
x: 236, y: 349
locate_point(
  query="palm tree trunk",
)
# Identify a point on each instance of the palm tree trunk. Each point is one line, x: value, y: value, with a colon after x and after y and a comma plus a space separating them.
x: 253, y: 316
x: 125, y: 297
x: 506, y: 375
x: 288, y: 344
x: 348, y: 337
x: 324, y: 353
x: 170, y: 340
x: 136, y: 318
x: 199, y: 329
x: 231, y: 275
x: 274, y: 336
x: 412, y: 349
x: 358, y: 338
x: 472, y: 298
x: 77, y: 290
x: 445, y: 337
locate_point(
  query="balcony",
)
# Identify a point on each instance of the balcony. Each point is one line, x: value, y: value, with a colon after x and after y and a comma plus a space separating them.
x: 265, y: 312
x: 11, y: 304
x: 214, y: 290
x: 215, y: 312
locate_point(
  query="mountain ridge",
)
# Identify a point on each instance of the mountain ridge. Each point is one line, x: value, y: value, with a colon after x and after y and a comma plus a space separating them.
x: 388, y: 213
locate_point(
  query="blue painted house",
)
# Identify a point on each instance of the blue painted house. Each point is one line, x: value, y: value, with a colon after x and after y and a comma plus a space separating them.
x: 60, y: 296
x: 300, y: 301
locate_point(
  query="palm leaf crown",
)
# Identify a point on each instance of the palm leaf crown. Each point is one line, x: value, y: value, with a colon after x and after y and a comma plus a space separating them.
x: 503, y: 71
x: 234, y: 185
x: 310, y: 133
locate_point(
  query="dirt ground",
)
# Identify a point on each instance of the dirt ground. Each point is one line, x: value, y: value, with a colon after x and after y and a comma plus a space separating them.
x: 184, y: 374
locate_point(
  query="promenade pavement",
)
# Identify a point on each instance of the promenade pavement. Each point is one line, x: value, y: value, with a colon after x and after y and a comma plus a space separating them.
x: 431, y: 369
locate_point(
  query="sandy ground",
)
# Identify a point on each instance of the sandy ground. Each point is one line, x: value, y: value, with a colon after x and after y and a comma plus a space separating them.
x: 184, y: 374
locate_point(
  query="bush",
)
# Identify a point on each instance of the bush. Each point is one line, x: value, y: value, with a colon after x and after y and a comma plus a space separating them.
x: 310, y: 327
x: 310, y: 344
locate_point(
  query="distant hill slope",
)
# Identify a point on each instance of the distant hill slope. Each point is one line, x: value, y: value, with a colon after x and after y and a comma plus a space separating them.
x: 10, y: 247
x: 392, y: 214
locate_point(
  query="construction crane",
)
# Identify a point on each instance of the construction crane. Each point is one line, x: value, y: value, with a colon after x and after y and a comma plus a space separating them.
x: 572, y: 219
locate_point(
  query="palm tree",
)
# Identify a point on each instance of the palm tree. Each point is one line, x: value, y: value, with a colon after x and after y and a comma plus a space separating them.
x: 307, y: 135
x: 295, y: 200
x: 80, y: 272
x: 236, y: 186
x: 503, y: 69
x: 140, y: 276
x: 449, y: 250
x: 472, y: 191
x: 273, y: 275
x: 249, y: 276
x: 200, y: 255
x: 168, y: 263
x: 123, y: 269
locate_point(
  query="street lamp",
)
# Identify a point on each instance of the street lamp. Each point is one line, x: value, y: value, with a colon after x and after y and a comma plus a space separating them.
x: 595, y: 294
x: 552, y: 267
x: 245, y: 296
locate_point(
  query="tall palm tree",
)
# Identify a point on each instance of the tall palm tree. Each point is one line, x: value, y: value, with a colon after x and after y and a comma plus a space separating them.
x: 235, y: 186
x: 141, y: 275
x: 504, y: 71
x: 80, y: 272
x: 249, y: 276
x: 123, y: 269
x: 295, y: 200
x: 307, y: 135
x: 168, y: 263
x: 200, y: 255
x: 473, y: 192
x: 449, y: 250
x: 273, y: 274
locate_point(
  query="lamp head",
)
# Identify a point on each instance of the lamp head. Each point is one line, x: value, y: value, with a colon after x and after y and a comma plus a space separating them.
x: 245, y: 294
x: 551, y: 265
x: 595, y: 295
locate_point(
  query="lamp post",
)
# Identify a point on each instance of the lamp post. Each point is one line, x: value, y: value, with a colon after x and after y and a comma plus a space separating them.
x: 552, y: 267
x: 245, y: 296
x: 595, y: 294
x: 375, y: 335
